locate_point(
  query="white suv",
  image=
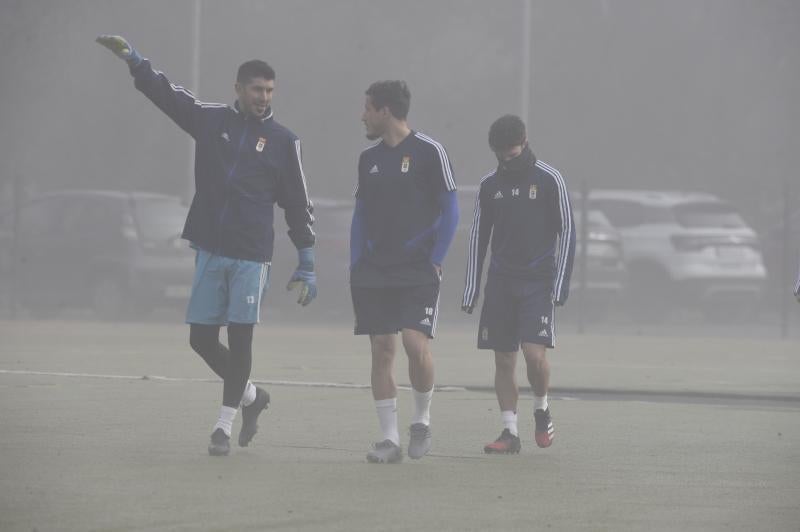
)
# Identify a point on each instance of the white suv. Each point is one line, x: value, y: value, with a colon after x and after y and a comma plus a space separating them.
x: 684, y: 248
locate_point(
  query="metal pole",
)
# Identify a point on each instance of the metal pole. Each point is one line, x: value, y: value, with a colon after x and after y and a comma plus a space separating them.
x: 785, y: 258
x: 15, y: 259
x: 195, y: 87
x: 526, y: 64
x: 582, y: 265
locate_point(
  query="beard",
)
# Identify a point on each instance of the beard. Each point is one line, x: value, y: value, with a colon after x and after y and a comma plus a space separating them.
x: 372, y: 136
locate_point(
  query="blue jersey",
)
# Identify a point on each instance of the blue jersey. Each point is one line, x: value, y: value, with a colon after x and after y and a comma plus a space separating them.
x: 528, y: 218
x: 243, y: 166
x: 399, y: 212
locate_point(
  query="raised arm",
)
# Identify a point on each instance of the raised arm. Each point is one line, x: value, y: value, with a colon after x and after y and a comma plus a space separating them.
x: 175, y: 101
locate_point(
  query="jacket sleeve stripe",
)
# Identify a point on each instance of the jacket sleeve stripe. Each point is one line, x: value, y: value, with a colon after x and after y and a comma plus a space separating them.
x: 473, y: 257
x: 797, y: 284
x: 450, y: 183
x: 566, y: 226
x: 186, y: 92
x: 299, y: 153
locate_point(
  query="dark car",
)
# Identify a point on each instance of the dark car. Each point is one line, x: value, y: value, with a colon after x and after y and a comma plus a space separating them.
x: 118, y: 253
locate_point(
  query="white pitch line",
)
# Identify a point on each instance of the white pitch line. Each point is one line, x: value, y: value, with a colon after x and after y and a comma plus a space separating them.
x: 306, y: 384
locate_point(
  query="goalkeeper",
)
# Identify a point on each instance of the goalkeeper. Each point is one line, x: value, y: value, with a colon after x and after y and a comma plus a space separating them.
x: 244, y: 163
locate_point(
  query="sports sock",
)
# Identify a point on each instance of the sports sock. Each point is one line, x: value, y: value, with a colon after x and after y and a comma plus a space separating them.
x: 540, y: 403
x: 422, y: 406
x: 387, y: 417
x: 249, y: 394
x: 240, y: 344
x: 510, y: 421
x: 225, y: 421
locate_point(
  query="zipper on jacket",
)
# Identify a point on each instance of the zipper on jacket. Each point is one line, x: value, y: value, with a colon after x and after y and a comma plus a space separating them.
x: 228, y: 182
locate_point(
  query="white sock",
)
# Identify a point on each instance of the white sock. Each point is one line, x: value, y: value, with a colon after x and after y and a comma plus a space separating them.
x: 510, y: 421
x: 540, y: 403
x: 422, y: 406
x: 387, y: 417
x: 225, y: 421
x: 249, y: 394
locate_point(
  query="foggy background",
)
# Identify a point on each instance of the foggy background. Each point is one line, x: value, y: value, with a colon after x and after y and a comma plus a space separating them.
x: 685, y: 419
x: 683, y: 95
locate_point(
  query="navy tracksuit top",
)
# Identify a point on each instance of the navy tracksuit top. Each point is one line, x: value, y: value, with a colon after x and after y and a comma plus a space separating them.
x: 528, y: 218
x: 243, y: 166
x: 398, y: 192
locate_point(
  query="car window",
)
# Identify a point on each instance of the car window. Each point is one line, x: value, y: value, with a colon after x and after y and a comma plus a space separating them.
x: 159, y: 219
x: 708, y: 215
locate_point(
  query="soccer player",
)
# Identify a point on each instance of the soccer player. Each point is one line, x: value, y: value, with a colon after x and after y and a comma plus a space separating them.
x: 244, y: 163
x: 523, y: 208
x: 403, y: 222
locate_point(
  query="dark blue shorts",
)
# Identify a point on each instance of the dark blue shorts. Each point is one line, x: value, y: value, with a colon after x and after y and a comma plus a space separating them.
x: 388, y: 310
x: 516, y: 311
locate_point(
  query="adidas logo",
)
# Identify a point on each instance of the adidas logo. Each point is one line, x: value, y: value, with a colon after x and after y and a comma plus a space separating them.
x: 374, y: 169
x: 498, y: 195
x: 543, y: 333
x: 426, y: 321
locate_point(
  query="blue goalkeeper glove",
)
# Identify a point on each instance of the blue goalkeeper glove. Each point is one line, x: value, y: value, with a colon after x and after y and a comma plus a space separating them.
x: 121, y: 48
x: 304, y: 277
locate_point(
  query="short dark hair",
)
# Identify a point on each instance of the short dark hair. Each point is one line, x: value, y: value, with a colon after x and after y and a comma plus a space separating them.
x: 506, y: 132
x: 254, y: 69
x: 392, y: 94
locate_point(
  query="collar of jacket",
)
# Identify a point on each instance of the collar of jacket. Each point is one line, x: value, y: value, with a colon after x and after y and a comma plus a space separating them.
x: 519, y: 166
x: 267, y: 114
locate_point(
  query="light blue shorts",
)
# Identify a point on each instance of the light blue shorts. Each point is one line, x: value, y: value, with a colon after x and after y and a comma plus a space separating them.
x: 226, y: 290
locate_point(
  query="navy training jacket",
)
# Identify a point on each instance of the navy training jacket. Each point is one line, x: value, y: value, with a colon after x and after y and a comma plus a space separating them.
x: 528, y: 218
x: 243, y: 166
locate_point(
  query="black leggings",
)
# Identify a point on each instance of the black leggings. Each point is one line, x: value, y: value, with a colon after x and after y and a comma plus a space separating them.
x: 232, y: 365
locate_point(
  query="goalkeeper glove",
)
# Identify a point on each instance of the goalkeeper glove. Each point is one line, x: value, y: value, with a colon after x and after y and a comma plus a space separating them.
x: 121, y: 48
x: 304, y: 277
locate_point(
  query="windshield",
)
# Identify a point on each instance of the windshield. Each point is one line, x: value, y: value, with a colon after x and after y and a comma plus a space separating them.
x: 708, y: 215
x: 160, y: 219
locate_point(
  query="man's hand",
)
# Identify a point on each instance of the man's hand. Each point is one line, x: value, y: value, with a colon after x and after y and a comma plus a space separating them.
x: 438, y: 268
x: 304, y: 277
x: 467, y: 308
x: 120, y: 47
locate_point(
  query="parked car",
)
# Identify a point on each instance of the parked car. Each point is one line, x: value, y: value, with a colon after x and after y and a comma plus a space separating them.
x: 119, y: 253
x: 606, y: 275
x: 691, y: 248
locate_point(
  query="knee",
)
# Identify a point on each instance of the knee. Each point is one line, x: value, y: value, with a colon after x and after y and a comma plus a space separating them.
x: 535, y: 356
x: 198, y: 342
x: 505, y: 362
x: 382, y: 351
x: 415, y: 345
x: 204, y: 339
